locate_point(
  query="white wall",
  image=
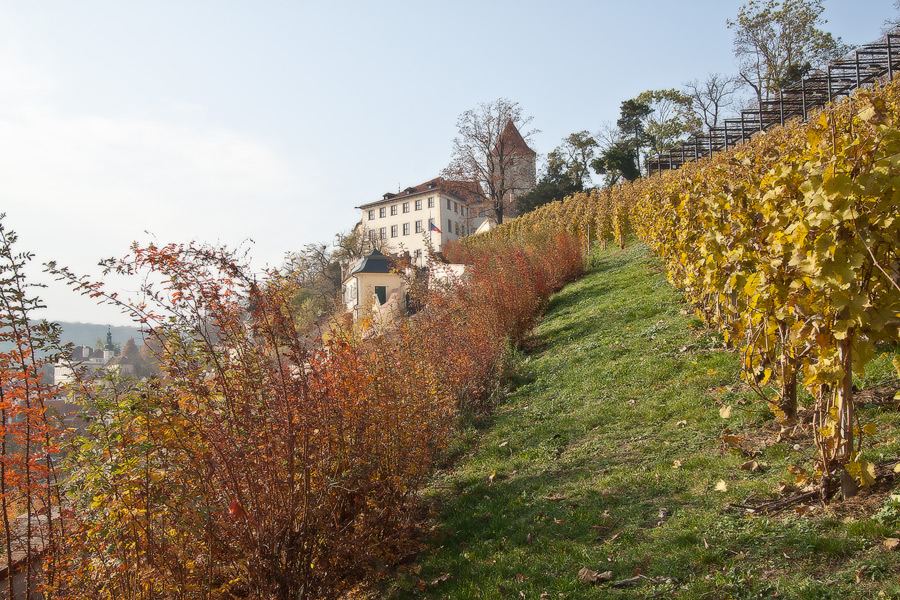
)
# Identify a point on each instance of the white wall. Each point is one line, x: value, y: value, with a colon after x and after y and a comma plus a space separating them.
x: 418, y: 241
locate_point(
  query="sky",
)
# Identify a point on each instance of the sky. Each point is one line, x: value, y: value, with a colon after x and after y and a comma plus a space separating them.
x: 225, y: 122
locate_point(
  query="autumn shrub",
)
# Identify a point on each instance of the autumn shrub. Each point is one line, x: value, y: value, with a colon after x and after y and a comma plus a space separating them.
x: 253, y: 466
x: 31, y: 522
x: 257, y: 465
x: 505, y: 287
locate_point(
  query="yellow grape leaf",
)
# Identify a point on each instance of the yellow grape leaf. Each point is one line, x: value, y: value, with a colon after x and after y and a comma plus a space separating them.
x: 721, y: 486
x: 870, y: 429
x: 725, y: 412
x: 897, y: 468
x: 731, y: 440
x: 867, y: 473
x: 896, y: 363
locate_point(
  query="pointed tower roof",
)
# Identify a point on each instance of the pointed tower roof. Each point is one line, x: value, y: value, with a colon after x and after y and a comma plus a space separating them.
x: 514, y: 140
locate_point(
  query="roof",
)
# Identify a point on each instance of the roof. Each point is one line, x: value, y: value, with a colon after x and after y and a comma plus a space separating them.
x: 463, y: 190
x: 513, y: 140
x: 373, y: 262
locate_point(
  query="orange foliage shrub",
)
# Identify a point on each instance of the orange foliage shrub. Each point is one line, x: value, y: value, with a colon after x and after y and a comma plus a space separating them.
x: 257, y: 466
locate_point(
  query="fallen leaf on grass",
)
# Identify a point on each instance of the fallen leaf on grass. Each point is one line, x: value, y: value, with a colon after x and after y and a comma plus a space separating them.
x: 586, y: 575
x: 520, y: 578
x: 750, y: 465
x: 681, y: 424
x: 559, y: 521
x: 676, y: 464
x: 732, y: 441
x: 891, y: 543
x: 554, y: 497
x: 721, y: 486
x: 442, y: 578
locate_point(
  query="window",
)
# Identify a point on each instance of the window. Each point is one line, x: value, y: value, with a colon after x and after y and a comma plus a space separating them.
x: 381, y: 293
x: 431, y: 202
x: 393, y: 210
x: 372, y: 234
x: 463, y: 210
x: 406, y: 207
x: 419, y: 204
x: 418, y: 255
x: 418, y: 226
x: 448, y: 203
x: 393, y: 231
x: 449, y: 226
x: 383, y: 232
x: 372, y: 215
x: 382, y: 212
x: 406, y: 229
x: 456, y: 208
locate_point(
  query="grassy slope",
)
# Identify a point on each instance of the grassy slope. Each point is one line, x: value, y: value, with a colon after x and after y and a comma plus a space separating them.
x: 619, y: 385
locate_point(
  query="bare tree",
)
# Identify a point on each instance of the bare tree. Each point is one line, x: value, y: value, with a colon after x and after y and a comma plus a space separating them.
x: 712, y: 96
x: 894, y: 22
x: 489, y: 152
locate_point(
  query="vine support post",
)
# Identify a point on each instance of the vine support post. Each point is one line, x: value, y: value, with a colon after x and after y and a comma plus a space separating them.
x: 846, y: 417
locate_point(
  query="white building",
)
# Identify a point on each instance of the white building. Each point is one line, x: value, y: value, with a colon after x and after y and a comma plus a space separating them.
x: 83, y: 358
x: 431, y: 213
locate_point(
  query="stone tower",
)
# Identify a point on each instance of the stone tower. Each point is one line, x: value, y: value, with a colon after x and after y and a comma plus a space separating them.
x: 521, y: 166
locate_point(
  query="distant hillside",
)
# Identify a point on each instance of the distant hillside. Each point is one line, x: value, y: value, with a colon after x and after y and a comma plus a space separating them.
x: 87, y: 333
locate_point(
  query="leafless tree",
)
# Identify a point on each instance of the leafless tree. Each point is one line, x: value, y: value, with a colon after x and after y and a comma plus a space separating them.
x: 486, y: 154
x: 712, y: 96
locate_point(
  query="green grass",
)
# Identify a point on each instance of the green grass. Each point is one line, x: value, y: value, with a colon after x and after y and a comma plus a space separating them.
x: 574, y: 468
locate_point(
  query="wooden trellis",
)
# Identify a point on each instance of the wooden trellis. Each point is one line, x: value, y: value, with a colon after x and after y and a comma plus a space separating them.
x: 864, y: 66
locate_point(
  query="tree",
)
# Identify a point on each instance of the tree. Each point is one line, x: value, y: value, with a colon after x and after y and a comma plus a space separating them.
x: 654, y: 120
x: 573, y: 157
x: 778, y: 41
x: 567, y: 172
x: 894, y: 22
x: 711, y: 96
x: 618, y: 161
x: 555, y: 184
x: 671, y: 117
x: 488, y: 151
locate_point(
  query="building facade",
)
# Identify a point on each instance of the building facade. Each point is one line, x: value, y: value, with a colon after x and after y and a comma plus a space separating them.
x: 412, y: 220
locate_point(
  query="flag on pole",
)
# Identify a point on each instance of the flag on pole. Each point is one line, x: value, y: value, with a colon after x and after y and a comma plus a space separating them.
x: 433, y: 227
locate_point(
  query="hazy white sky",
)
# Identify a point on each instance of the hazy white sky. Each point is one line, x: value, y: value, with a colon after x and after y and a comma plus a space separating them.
x: 222, y: 121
